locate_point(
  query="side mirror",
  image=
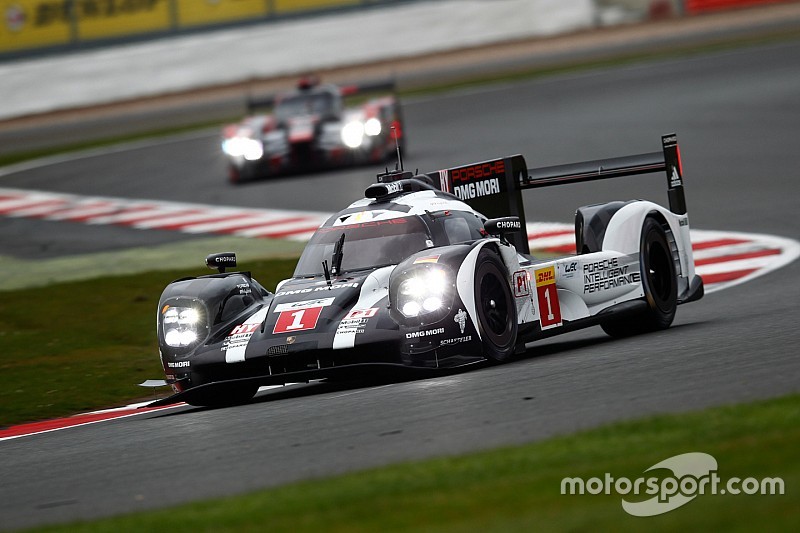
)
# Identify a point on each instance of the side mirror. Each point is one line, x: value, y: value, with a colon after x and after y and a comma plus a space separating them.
x: 221, y: 261
x: 501, y: 226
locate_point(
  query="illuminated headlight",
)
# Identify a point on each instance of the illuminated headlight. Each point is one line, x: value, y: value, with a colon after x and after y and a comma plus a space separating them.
x: 424, y: 291
x: 250, y: 149
x: 353, y: 134
x: 183, y: 326
x: 372, y: 127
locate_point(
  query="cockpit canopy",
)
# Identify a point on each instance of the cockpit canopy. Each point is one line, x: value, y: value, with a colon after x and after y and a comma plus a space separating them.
x: 321, y: 102
x: 370, y: 244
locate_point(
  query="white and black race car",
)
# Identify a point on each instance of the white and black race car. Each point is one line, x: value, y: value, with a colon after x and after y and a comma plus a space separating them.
x: 314, y: 128
x: 414, y: 275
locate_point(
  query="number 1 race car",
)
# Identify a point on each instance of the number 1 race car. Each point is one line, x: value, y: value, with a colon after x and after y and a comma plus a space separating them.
x: 414, y: 275
x: 311, y: 129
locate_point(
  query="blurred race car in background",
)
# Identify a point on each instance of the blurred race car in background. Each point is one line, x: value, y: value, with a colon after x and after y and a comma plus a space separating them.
x: 311, y: 128
x: 415, y: 276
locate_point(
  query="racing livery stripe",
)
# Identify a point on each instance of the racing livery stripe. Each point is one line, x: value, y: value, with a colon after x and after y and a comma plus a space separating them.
x: 238, y: 347
x: 368, y: 296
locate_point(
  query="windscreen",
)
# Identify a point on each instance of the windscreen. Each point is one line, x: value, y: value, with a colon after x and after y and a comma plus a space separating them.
x: 322, y: 103
x: 367, y: 245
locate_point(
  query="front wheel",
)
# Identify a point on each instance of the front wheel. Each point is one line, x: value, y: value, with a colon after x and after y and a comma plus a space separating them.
x: 659, y: 282
x: 495, y: 306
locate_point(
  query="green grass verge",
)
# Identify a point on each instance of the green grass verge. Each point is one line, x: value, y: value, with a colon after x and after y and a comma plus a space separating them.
x: 25, y: 273
x: 76, y: 346
x: 518, y: 488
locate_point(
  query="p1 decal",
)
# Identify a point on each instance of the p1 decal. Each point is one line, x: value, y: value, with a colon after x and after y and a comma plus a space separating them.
x: 362, y: 313
x: 298, y: 320
x: 235, y: 344
x: 522, y: 286
x: 547, y: 297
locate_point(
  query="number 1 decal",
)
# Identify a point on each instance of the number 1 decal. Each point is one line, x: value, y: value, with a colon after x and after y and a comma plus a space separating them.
x: 297, y: 320
x: 547, y: 298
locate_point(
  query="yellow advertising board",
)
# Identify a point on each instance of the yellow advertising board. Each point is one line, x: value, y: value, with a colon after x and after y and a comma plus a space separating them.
x: 30, y: 24
x: 287, y: 6
x: 33, y: 24
x: 116, y: 18
x: 201, y: 12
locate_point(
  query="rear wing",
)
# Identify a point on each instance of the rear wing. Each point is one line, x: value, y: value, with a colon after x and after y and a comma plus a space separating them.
x: 306, y: 84
x: 494, y: 187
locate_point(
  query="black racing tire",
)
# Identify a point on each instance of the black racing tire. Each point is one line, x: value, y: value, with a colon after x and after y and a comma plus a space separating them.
x: 234, y: 175
x: 495, y: 307
x: 660, y: 284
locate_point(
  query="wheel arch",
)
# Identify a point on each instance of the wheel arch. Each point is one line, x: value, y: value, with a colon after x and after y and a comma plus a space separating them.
x: 465, y: 277
x: 624, y: 230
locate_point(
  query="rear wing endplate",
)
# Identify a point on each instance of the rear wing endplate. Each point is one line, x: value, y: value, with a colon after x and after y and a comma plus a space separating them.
x: 494, y: 187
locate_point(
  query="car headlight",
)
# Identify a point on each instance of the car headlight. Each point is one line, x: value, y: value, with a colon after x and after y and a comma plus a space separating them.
x: 183, y: 326
x: 353, y: 134
x: 250, y: 149
x: 372, y: 127
x: 424, y: 290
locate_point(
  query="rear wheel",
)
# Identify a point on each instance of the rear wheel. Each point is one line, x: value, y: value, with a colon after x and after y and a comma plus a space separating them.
x: 496, y: 309
x: 659, y: 282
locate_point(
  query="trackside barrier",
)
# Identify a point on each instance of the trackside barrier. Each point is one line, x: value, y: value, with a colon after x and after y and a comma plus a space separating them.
x: 42, y: 25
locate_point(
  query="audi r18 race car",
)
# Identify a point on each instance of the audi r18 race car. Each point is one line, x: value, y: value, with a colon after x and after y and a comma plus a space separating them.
x: 311, y: 128
x: 415, y: 275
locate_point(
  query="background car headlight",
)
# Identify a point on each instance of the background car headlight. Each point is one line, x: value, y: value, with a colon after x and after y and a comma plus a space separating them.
x: 372, y: 127
x: 183, y: 326
x: 353, y: 134
x: 423, y: 291
x: 250, y: 149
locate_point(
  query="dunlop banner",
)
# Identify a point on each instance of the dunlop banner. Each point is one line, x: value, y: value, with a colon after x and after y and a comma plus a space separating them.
x: 115, y: 18
x: 206, y: 12
x: 33, y: 24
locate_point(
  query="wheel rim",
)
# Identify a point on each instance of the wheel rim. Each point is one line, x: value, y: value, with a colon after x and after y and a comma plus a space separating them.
x: 494, y: 305
x: 659, y: 273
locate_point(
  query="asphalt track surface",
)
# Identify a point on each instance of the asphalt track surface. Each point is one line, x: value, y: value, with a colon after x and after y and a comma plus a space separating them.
x: 736, y: 117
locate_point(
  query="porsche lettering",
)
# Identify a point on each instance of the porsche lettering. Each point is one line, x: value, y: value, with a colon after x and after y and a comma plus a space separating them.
x: 477, y: 172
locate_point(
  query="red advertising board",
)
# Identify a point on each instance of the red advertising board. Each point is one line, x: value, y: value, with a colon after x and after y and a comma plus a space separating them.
x: 702, y: 6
